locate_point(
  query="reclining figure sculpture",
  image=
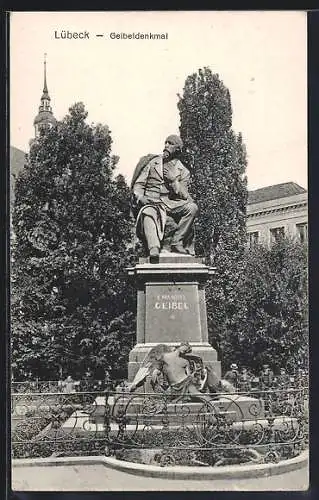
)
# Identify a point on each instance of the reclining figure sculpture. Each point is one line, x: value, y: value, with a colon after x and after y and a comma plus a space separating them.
x: 178, y: 372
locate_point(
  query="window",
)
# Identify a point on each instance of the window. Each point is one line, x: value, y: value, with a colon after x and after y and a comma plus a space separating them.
x: 253, y: 238
x: 302, y: 231
x: 276, y: 233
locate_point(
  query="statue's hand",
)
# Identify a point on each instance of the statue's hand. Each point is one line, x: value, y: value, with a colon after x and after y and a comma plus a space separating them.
x: 145, y: 200
x: 177, y: 190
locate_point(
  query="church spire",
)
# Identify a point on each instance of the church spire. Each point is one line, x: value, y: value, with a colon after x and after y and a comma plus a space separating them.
x: 45, y: 87
x: 45, y: 99
x: 45, y: 118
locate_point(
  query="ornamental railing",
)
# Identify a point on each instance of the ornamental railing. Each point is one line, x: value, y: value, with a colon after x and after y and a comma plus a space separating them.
x: 251, y: 384
x: 213, y: 430
x: 44, y: 386
x: 36, y: 386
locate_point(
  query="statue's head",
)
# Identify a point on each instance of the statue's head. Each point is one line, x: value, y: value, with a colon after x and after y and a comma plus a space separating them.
x: 173, y: 146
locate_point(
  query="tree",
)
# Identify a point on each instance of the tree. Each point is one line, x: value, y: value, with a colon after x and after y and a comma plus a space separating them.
x: 72, y: 242
x: 216, y: 157
x: 275, y: 291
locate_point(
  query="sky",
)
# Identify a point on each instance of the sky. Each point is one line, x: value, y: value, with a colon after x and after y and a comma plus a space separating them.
x: 132, y: 84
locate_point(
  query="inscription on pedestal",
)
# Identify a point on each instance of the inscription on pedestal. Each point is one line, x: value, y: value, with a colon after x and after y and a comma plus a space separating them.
x: 172, y: 313
x: 171, y: 302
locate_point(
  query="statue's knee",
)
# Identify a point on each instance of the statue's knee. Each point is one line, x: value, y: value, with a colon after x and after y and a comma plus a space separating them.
x: 193, y: 208
x: 150, y: 212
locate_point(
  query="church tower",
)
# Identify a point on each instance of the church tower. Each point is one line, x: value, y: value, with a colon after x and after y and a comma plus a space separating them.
x: 44, y: 119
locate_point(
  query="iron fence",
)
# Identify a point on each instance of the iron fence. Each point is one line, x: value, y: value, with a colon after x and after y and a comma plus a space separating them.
x: 44, y: 386
x: 36, y: 386
x: 213, y: 430
x: 250, y: 384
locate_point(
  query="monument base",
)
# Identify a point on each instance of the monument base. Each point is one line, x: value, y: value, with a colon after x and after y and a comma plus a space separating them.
x: 171, y: 308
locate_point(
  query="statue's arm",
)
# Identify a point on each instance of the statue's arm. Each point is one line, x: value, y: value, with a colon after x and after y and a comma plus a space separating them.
x: 175, y: 182
x: 184, y: 179
x: 140, y: 184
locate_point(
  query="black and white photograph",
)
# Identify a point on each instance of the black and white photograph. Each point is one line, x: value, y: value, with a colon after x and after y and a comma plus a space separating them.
x: 159, y: 251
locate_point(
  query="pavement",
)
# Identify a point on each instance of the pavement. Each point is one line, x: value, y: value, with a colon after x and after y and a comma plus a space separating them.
x: 101, y: 478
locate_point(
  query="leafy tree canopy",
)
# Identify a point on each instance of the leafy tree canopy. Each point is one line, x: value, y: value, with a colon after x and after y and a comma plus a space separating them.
x: 216, y: 157
x: 72, y: 242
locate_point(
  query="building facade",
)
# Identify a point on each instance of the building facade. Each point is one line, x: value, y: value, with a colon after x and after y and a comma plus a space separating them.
x: 277, y: 211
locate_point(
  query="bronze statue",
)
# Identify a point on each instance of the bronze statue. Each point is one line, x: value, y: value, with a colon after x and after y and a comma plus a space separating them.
x: 160, y: 192
x: 183, y: 372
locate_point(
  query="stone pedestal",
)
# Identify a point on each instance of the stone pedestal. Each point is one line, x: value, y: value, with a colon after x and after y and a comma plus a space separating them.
x: 171, y: 307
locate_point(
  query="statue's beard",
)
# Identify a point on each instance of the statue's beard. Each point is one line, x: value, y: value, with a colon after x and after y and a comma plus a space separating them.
x: 167, y: 155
